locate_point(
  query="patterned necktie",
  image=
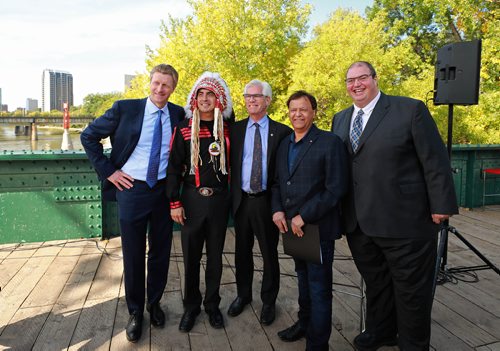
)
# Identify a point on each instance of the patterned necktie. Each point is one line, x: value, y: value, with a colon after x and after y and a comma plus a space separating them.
x: 256, y: 174
x: 154, y: 156
x: 357, y: 129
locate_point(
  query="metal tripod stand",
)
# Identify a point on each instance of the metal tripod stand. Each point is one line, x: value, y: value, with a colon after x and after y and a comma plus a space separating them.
x: 442, y: 258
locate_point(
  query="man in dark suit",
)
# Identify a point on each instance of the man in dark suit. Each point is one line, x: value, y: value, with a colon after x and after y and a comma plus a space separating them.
x: 311, y: 178
x: 401, y: 189
x: 140, y: 132
x: 254, y: 142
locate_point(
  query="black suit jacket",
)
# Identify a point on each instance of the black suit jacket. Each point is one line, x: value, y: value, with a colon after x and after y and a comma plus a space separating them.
x: 316, y: 183
x: 277, y: 131
x: 123, y: 124
x: 400, y: 174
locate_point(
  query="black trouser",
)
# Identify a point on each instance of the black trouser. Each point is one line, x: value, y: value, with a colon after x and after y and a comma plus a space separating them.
x: 254, y: 218
x: 206, y: 222
x: 141, y: 210
x: 399, y: 274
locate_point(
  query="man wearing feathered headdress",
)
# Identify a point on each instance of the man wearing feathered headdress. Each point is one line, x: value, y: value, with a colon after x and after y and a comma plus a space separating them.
x: 198, y: 164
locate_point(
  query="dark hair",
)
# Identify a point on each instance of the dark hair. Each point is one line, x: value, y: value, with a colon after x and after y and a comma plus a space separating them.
x: 363, y: 63
x: 165, y: 69
x: 302, y: 93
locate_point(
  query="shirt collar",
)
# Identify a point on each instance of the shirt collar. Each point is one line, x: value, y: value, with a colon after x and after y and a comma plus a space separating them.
x: 292, y: 136
x: 151, y: 108
x: 263, y: 122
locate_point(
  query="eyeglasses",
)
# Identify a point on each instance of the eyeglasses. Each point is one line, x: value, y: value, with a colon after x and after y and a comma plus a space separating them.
x: 363, y: 78
x: 255, y: 96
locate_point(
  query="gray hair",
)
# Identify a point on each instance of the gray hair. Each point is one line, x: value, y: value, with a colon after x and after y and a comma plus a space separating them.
x: 266, y: 88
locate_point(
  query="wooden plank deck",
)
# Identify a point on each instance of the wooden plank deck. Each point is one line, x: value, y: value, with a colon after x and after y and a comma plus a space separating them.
x: 62, y: 295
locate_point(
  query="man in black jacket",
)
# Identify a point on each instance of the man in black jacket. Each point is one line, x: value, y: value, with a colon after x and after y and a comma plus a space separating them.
x: 311, y: 178
x: 254, y: 141
x: 401, y: 189
x: 199, y: 165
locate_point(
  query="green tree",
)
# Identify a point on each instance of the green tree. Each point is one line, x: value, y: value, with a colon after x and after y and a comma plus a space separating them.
x: 240, y: 39
x: 427, y: 25
x: 346, y: 37
x: 96, y: 104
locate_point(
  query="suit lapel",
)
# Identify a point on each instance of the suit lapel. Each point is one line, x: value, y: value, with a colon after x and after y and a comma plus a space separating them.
x: 378, y: 114
x: 137, y: 122
x: 240, y: 140
x: 174, y: 119
x: 272, y: 140
x: 345, y: 125
x: 308, y: 141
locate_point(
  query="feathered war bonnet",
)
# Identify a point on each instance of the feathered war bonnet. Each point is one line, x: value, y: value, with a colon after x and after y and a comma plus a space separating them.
x: 223, y: 110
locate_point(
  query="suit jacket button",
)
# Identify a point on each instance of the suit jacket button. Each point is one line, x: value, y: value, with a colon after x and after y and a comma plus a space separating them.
x: 287, y: 200
x: 288, y: 183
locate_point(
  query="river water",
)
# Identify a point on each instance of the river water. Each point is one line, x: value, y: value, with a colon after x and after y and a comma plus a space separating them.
x: 48, y: 139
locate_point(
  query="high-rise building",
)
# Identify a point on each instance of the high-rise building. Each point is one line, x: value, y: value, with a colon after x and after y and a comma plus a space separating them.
x: 57, y: 88
x: 31, y: 104
x: 128, y: 80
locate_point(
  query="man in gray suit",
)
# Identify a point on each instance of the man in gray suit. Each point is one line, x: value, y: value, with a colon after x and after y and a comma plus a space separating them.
x: 401, y: 189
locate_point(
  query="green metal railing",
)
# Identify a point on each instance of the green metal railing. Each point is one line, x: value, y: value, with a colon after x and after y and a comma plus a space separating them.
x: 53, y: 195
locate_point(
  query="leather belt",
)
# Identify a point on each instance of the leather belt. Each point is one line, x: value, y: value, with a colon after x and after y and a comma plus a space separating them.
x: 252, y: 195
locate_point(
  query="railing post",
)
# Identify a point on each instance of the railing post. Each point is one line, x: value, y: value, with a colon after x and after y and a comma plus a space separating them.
x: 34, y: 132
x: 66, y: 141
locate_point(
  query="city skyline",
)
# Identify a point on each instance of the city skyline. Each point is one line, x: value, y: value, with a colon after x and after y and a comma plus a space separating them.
x: 98, y: 44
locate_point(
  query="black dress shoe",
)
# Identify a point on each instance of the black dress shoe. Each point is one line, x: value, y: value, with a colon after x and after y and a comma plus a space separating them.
x: 188, y: 319
x: 134, y: 327
x: 267, y: 314
x: 215, y: 318
x: 370, y: 342
x: 293, y: 333
x: 237, y: 306
x: 157, y: 315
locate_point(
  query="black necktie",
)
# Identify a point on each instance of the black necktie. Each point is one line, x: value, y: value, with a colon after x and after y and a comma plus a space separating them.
x: 256, y: 174
x: 154, y: 156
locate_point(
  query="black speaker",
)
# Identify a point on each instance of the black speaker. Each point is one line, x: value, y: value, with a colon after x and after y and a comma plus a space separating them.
x: 456, y: 80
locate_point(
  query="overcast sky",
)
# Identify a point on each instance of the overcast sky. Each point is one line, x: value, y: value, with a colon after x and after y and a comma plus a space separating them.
x: 98, y: 42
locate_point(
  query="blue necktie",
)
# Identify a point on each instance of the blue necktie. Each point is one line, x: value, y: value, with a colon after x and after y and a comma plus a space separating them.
x: 154, y: 156
x: 256, y: 172
x: 357, y: 129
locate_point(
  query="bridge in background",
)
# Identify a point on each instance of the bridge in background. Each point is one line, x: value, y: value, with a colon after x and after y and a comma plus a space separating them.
x: 28, y: 125
x: 44, y: 120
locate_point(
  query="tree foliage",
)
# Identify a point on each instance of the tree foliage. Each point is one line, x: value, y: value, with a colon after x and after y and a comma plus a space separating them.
x: 321, y: 66
x: 247, y: 39
x: 96, y: 104
x: 240, y: 39
x: 427, y: 25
